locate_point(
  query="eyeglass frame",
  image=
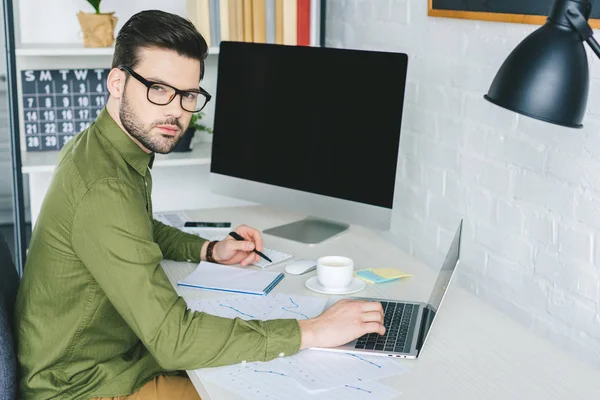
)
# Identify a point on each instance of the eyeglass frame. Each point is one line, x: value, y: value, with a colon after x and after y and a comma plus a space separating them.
x: 179, y: 92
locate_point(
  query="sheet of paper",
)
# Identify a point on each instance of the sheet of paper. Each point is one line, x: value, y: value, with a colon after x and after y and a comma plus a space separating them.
x: 252, y: 382
x: 320, y: 370
x: 175, y: 218
x: 264, y: 308
x: 243, y: 306
x: 318, y: 374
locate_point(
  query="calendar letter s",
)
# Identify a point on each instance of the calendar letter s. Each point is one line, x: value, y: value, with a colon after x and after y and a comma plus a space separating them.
x: 29, y: 76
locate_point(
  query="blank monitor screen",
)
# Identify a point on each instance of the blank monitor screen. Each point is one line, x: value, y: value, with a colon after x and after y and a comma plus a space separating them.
x: 319, y: 120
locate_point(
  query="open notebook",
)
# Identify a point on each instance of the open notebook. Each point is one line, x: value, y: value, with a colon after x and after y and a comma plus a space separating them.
x: 213, y: 276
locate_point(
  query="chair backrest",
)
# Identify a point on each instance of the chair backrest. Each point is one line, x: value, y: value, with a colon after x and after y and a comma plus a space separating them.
x: 9, y: 283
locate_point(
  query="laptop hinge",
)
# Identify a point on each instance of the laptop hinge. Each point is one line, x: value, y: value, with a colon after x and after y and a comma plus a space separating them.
x: 426, y: 321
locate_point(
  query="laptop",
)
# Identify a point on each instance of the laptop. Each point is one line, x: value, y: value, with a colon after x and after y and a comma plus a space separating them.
x: 407, y: 323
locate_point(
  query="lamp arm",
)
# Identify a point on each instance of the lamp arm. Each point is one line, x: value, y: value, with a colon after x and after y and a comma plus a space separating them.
x: 594, y: 45
x: 580, y: 24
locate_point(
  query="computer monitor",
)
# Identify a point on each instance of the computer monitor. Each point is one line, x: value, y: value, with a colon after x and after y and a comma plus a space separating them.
x: 309, y: 129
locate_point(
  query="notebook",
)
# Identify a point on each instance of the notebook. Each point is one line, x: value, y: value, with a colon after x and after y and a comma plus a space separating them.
x: 213, y: 276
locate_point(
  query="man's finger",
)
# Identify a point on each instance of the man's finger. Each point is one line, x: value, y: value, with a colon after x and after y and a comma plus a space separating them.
x: 254, y: 236
x: 374, y: 327
x: 241, y: 245
x: 372, y: 316
x: 367, y: 306
x: 248, y: 260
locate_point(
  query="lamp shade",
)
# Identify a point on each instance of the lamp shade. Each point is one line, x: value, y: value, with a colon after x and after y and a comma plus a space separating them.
x: 545, y: 77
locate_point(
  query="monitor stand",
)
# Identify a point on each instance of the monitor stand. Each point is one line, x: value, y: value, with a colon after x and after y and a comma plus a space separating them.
x: 308, y: 231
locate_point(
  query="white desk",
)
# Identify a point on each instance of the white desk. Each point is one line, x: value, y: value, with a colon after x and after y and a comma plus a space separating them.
x: 473, y: 351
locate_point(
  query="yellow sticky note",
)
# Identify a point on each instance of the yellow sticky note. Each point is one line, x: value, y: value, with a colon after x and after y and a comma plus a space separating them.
x: 390, y: 273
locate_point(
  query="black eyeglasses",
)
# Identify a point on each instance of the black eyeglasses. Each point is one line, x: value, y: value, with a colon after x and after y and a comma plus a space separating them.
x: 162, y: 94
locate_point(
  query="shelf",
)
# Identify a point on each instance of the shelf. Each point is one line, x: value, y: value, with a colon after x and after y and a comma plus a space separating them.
x: 71, y: 49
x: 45, y: 161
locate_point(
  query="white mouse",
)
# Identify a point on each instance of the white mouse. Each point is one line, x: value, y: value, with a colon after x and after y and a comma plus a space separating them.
x: 300, y: 267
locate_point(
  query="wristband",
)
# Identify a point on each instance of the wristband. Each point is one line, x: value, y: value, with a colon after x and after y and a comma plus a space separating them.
x: 209, y: 251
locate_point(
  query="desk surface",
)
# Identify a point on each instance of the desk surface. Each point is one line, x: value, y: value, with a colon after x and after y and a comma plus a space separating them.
x: 473, y: 351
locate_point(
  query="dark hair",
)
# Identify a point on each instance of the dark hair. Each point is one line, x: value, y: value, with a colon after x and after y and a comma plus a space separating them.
x: 155, y: 28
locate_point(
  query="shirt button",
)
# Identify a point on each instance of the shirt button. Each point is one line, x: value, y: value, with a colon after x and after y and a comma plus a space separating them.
x: 281, y: 354
x: 244, y: 362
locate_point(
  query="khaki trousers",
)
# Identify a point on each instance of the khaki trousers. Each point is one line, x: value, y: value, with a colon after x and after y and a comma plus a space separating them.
x: 162, y: 388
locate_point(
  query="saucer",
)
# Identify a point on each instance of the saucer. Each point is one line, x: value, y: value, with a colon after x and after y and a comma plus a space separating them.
x: 355, y: 286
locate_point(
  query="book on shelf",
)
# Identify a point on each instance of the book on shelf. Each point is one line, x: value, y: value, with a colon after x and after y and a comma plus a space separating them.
x: 238, y: 12
x: 303, y: 23
x: 215, y: 33
x: 279, y: 21
x: 198, y: 11
x: 270, y: 21
x: 290, y: 22
x: 223, y: 21
x: 247, y: 12
x: 259, y: 21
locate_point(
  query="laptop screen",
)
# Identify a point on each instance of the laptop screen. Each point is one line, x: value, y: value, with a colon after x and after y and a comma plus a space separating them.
x: 441, y: 284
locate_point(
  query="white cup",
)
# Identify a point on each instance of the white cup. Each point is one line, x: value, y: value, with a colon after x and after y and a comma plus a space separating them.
x: 335, y: 272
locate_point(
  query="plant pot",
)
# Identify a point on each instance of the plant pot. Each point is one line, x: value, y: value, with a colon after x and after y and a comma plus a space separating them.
x: 98, y: 29
x: 185, y: 142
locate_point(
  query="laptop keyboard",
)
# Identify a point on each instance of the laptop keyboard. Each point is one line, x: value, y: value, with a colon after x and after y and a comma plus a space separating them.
x: 397, y: 319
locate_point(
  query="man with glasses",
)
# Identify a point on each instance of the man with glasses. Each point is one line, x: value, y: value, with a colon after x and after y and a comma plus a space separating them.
x: 96, y: 317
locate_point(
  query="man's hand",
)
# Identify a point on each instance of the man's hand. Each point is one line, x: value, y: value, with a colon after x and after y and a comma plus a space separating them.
x: 343, y: 322
x: 230, y: 251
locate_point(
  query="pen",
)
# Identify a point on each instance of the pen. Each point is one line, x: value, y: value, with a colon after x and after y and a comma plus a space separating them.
x: 236, y: 236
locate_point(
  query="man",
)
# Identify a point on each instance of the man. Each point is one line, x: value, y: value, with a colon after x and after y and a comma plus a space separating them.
x: 96, y: 317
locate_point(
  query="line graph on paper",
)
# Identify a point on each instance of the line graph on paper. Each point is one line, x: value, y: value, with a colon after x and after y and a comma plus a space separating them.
x: 309, y: 374
x: 298, y: 307
x: 236, y: 310
x: 238, y: 306
x: 291, y: 308
x: 270, y: 372
x: 364, y: 359
x: 260, y: 307
x: 320, y: 370
x: 253, y: 383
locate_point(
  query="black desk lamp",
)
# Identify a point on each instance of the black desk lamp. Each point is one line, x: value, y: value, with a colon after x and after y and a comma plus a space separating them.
x: 546, y: 76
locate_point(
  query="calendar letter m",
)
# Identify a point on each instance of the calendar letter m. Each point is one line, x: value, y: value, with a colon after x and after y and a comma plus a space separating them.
x: 45, y: 76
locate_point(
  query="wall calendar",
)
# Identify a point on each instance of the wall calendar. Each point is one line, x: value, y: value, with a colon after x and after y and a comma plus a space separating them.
x: 59, y: 103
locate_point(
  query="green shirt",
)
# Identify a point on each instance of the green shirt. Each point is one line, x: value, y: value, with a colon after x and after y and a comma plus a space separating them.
x: 96, y: 316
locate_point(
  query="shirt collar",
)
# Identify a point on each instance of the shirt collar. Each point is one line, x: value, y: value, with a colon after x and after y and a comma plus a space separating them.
x: 125, y: 146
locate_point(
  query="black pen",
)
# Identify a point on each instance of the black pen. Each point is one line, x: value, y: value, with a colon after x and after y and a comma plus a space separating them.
x: 237, y: 236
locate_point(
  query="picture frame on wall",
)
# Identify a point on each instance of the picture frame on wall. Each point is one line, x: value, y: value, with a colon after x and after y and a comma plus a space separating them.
x: 515, y: 11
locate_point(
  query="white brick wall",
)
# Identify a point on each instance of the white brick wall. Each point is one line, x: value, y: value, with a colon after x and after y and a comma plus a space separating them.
x: 529, y: 191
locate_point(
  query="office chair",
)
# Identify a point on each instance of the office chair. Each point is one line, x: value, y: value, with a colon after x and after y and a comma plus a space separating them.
x: 9, y: 282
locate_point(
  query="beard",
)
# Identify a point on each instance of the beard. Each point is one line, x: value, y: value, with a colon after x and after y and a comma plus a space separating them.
x: 157, y: 143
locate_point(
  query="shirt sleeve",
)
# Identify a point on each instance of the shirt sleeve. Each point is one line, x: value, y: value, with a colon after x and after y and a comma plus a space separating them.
x: 175, y: 244
x: 113, y: 236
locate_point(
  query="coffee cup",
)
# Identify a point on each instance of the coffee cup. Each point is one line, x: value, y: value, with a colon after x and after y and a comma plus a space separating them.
x: 335, y: 272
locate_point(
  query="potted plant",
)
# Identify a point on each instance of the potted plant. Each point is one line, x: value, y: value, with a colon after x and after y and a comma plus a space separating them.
x: 98, y: 28
x: 188, y: 135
